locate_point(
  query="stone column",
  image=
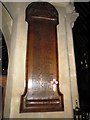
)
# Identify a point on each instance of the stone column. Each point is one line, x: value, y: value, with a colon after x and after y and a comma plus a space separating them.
x: 70, y: 18
x: 16, y: 68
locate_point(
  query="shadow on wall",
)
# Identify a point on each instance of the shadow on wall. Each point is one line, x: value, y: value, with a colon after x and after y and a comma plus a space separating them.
x: 3, y: 71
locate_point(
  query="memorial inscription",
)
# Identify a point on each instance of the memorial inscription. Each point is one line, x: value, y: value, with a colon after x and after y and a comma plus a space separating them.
x: 42, y: 86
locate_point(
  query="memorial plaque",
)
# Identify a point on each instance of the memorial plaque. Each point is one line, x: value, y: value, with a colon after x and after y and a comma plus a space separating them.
x: 42, y: 86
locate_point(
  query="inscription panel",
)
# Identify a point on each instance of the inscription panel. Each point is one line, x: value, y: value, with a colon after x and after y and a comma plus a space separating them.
x: 42, y: 86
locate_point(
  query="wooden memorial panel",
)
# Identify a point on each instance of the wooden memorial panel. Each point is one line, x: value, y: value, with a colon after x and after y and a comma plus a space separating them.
x: 42, y: 86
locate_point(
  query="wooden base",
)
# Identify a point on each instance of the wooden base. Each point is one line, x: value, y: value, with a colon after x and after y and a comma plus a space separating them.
x: 44, y: 105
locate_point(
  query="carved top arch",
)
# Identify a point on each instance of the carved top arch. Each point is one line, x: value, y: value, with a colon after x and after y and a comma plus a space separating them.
x: 42, y: 10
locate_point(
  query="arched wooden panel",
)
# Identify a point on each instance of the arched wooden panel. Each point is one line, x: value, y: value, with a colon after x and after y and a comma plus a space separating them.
x: 42, y: 86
